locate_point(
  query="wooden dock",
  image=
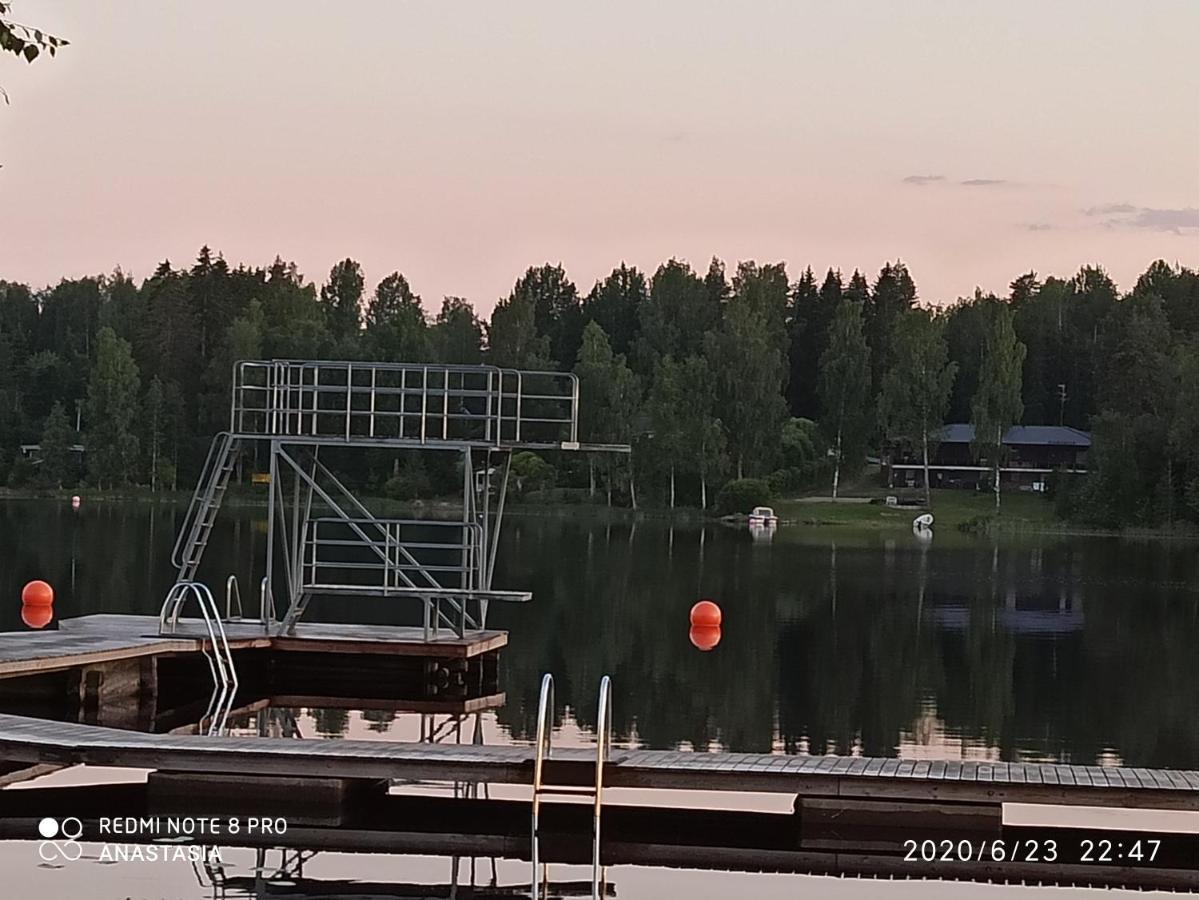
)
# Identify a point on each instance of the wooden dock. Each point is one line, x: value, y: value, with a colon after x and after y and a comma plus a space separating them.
x: 90, y: 640
x: 845, y: 779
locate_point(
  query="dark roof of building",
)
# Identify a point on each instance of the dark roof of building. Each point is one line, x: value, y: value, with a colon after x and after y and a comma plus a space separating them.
x: 1023, y: 435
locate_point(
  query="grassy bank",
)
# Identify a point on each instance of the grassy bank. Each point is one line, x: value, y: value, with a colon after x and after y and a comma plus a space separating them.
x: 951, y: 509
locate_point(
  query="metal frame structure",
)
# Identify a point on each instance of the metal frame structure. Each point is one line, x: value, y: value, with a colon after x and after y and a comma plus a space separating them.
x: 321, y: 539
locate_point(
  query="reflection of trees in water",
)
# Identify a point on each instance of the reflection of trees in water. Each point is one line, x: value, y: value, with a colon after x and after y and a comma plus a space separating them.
x: 616, y: 602
x: 378, y: 720
x: 838, y: 648
x: 330, y: 723
x: 858, y: 645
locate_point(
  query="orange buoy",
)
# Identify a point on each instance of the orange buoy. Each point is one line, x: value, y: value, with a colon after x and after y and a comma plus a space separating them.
x: 37, y: 593
x: 705, y: 637
x: 37, y: 616
x: 706, y: 614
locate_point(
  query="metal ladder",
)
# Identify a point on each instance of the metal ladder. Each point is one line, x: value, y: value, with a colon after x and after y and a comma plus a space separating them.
x: 603, y: 742
x: 206, y: 502
x: 220, y: 661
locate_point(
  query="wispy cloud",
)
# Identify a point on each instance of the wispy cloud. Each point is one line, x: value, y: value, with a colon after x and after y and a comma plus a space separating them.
x: 1038, y: 226
x: 1175, y: 220
x: 1180, y: 220
x: 1110, y: 209
x: 922, y: 180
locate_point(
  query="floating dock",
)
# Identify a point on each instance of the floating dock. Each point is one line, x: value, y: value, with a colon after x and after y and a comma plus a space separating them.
x: 91, y: 640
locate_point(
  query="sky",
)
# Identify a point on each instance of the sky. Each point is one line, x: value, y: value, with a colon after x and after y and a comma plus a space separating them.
x: 461, y: 143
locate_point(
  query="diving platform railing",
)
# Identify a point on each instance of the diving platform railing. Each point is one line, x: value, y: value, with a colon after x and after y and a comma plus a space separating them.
x: 405, y: 403
x: 542, y: 751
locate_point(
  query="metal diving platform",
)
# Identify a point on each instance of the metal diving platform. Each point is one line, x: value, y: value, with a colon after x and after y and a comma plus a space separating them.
x: 322, y: 540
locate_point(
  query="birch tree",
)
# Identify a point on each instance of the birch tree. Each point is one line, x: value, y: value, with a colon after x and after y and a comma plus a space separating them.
x: 916, y: 384
x: 845, y: 385
x: 997, y: 404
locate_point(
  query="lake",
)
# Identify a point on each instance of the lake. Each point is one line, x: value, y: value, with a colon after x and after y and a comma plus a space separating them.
x: 1046, y: 647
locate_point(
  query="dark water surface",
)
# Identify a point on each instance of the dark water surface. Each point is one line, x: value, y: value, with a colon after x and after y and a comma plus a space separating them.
x: 1045, y: 647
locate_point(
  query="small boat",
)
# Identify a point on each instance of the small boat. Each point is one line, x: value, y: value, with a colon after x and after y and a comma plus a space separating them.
x: 763, y: 516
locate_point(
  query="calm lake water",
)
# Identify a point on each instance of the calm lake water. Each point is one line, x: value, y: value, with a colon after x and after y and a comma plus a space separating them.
x: 1044, y: 647
x: 1038, y: 648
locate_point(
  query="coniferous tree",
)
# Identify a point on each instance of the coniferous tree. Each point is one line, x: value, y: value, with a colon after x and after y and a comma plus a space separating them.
x: 801, y: 386
x: 112, y: 407
x: 457, y: 333
x: 57, y: 437
x: 615, y: 303
x: 894, y: 294
x: 998, y: 405
x: 341, y: 297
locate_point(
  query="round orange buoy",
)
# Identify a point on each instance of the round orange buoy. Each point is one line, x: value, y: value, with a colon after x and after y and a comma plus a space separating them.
x: 37, y: 593
x: 706, y: 613
x: 705, y: 637
x: 37, y: 616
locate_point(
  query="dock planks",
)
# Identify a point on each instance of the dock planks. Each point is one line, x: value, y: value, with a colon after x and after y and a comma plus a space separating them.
x: 31, y: 741
x: 89, y: 640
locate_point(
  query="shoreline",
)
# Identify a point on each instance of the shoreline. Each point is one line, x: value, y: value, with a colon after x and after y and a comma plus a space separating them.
x: 814, y: 512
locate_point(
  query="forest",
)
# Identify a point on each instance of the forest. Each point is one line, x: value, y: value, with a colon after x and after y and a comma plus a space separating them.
x: 730, y: 386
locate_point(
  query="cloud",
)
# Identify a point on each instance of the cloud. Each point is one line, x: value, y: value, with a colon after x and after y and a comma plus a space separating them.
x: 1110, y: 209
x: 1125, y: 215
x: 1175, y: 220
x: 923, y: 179
x: 983, y: 182
x: 1038, y: 226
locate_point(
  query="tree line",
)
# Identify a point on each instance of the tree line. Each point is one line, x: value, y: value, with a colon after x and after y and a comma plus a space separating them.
x: 717, y: 379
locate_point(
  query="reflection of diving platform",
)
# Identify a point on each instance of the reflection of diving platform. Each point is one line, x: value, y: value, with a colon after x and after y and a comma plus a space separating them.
x: 321, y: 539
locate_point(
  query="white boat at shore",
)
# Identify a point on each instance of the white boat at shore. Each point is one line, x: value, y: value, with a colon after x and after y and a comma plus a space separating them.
x: 763, y: 516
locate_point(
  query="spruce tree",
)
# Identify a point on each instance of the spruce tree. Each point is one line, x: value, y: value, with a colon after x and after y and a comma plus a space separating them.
x: 112, y: 407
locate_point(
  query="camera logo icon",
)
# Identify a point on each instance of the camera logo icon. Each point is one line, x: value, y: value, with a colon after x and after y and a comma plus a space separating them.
x: 68, y: 849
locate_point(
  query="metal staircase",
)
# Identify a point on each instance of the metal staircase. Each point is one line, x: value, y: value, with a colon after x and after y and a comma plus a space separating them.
x: 206, y: 502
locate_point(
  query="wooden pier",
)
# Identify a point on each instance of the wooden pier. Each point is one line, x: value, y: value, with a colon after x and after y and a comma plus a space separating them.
x: 818, y: 778
x: 91, y: 640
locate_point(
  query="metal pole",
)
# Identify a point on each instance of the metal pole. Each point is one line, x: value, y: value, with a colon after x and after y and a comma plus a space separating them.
x: 270, y: 519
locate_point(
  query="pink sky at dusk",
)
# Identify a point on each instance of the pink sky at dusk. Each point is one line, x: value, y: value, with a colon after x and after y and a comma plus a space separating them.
x: 461, y: 143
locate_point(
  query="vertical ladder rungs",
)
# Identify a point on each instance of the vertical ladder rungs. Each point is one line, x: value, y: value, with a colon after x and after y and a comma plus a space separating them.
x: 603, y: 742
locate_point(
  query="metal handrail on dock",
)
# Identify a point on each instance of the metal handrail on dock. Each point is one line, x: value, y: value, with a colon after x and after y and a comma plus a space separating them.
x: 266, y: 612
x: 220, y: 664
x: 543, y: 751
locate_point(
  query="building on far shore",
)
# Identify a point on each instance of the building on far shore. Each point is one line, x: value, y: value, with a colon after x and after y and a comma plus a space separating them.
x: 1033, y: 453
